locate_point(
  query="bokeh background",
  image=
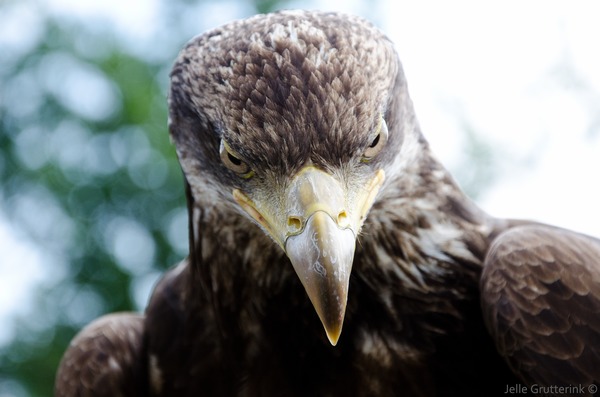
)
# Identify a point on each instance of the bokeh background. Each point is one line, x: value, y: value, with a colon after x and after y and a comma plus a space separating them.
x: 91, y: 199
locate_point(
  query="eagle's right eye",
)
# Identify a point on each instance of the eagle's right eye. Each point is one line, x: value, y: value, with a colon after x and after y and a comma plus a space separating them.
x: 233, y: 161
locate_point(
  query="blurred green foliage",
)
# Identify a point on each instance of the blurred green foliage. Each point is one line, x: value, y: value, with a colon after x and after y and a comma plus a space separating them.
x: 100, y: 178
x: 87, y: 171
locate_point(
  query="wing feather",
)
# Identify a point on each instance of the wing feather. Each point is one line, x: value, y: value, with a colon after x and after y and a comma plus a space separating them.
x: 105, y: 359
x: 540, y: 292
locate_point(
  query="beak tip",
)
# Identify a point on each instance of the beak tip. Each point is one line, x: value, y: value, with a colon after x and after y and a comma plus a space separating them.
x: 333, y: 335
x: 333, y: 327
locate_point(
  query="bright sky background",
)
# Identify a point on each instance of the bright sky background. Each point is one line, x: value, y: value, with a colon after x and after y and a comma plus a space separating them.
x: 496, y: 66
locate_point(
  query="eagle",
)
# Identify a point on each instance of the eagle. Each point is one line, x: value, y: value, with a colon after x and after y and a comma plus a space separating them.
x: 331, y: 254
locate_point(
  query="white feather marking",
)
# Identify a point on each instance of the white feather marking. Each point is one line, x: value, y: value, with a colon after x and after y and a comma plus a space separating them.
x: 277, y: 34
x: 113, y: 364
x: 293, y: 33
x: 373, y: 346
x: 290, y: 32
x: 156, y: 376
x: 406, y: 274
x: 444, y: 238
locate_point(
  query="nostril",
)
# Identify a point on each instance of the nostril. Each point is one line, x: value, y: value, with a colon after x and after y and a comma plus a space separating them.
x: 342, y: 219
x: 294, y: 224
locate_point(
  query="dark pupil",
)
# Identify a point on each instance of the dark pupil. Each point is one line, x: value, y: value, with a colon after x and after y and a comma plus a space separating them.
x: 375, y: 141
x: 234, y: 160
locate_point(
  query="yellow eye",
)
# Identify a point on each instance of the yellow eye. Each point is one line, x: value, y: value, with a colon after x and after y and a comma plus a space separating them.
x: 378, y: 142
x: 233, y: 162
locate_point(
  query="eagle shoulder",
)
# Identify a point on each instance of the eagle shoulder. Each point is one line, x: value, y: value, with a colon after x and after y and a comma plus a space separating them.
x: 106, y: 358
x: 540, y: 291
x: 184, y: 338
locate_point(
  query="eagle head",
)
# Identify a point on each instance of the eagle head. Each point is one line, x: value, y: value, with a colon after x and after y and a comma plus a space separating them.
x: 294, y: 119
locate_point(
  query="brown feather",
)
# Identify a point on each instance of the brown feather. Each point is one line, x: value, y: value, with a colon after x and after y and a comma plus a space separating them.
x: 540, y: 297
x: 105, y: 359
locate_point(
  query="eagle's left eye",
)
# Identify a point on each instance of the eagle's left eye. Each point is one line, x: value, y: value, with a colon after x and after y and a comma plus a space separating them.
x: 233, y: 161
x: 378, y: 142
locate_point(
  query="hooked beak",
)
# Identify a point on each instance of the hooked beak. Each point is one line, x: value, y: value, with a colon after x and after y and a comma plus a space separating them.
x: 317, y: 228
